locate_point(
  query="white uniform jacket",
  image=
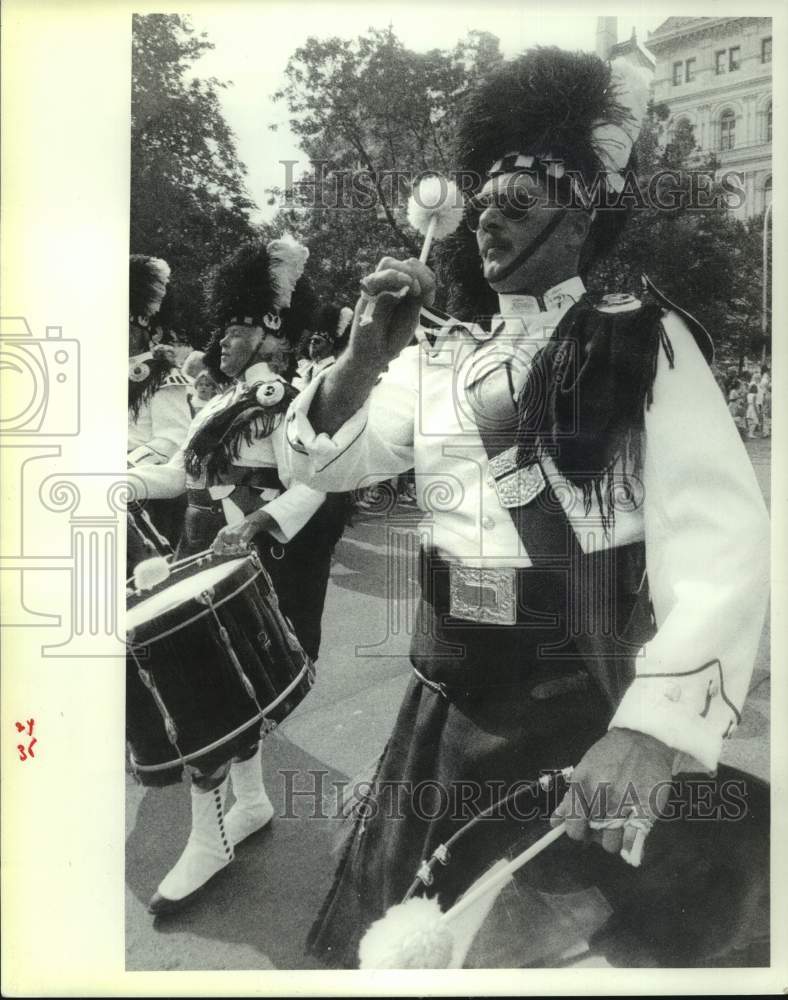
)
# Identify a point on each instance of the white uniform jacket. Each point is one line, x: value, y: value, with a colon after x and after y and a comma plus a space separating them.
x: 162, y: 421
x: 307, y: 370
x: 702, y: 515
x: 291, y: 509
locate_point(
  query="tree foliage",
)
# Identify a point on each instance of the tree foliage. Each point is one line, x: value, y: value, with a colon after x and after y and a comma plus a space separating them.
x: 189, y: 203
x: 370, y: 116
x: 686, y: 240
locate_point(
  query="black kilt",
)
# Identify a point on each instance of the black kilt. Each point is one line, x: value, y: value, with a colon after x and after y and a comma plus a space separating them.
x: 497, y: 713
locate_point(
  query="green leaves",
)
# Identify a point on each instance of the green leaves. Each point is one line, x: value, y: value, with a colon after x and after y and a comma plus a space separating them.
x: 371, y: 108
x: 189, y: 202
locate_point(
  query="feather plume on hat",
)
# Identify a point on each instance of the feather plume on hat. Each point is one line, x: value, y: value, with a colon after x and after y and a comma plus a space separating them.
x: 288, y: 260
x: 148, y: 277
x: 548, y: 104
x: 568, y: 115
x: 243, y: 287
x: 300, y: 315
x: 332, y: 322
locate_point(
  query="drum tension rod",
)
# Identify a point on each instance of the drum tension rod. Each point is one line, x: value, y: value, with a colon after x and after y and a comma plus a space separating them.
x: 169, y: 723
x: 442, y: 853
x: 224, y: 635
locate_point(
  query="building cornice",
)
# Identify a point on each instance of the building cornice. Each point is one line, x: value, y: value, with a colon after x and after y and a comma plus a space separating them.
x: 719, y: 93
x: 705, y: 26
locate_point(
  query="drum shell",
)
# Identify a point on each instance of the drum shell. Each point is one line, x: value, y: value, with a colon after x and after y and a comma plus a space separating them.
x: 196, y: 679
x: 700, y: 896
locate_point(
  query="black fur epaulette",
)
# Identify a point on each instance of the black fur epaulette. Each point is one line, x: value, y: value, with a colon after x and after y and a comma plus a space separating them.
x: 254, y: 415
x: 585, y: 398
x: 147, y: 377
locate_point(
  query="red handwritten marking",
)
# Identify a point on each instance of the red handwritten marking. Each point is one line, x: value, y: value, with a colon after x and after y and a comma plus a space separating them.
x: 25, y: 752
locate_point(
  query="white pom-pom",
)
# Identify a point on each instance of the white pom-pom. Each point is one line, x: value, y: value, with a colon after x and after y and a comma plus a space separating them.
x: 288, y: 260
x: 411, y: 935
x: 151, y: 572
x: 438, y: 198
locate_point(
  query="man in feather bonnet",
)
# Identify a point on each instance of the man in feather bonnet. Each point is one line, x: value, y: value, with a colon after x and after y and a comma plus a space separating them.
x: 324, y: 343
x: 230, y: 468
x: 595, y: 579
x: 158, y: 408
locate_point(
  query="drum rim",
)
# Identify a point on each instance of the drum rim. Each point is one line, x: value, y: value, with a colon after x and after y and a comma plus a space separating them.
x: 187, y: 621
x: 258, y: 716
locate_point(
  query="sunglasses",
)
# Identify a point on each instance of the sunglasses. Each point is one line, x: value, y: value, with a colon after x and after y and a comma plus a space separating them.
x: 513, y: 204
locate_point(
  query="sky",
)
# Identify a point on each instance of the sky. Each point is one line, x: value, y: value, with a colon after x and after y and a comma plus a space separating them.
x: 254, y: 41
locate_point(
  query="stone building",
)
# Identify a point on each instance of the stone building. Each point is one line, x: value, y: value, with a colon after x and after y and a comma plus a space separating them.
x: 716, y: 73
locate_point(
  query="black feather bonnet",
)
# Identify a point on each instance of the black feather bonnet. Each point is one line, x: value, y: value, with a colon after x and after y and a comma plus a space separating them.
x: 148, y: 277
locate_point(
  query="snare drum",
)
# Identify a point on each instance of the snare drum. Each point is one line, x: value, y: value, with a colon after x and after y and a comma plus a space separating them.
x: 210, y: 658
x: 699, y: 898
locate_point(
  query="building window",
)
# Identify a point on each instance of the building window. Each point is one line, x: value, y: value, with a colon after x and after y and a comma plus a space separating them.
x: 677, y: 68
x: 767, y: 193
x: 769, y: 122
x: 719, y: 61
x: 689, y: 70
x: 766, y: 50
x: 733, y: 58
x: 727, y: 130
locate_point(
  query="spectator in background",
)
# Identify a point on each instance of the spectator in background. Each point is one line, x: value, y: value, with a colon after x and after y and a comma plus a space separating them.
x: 736, y: 407
x: 766, y: 412
x: 753, y: 415
x: 763, y: 385
x: 204, y: 384
x: 204, y: 390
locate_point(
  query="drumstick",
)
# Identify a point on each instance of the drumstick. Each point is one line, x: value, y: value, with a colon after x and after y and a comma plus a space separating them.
x: 435, y: 209
x: 502, y: 875
x: 417, y: 935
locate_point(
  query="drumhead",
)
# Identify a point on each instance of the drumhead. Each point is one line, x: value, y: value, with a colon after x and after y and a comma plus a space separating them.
x: 179, y: 592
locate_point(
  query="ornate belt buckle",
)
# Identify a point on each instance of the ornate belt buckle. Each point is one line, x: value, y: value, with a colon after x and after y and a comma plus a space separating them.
x: 483, y: 595
x: 514, y: 486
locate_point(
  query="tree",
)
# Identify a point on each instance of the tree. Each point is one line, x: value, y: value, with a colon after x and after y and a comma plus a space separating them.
x: 370, y: 115
x: 189, y: 203
x: 697, y: 252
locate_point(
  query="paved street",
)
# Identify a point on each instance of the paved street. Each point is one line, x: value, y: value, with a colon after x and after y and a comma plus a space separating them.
x: 256, y: 913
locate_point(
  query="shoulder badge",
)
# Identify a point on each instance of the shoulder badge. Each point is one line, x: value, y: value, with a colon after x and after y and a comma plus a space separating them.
x: 697, y: 329
x: 618, y: 303
x: 139, y: 371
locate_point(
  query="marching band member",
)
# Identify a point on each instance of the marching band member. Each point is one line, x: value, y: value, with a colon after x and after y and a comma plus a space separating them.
x: 229, y: 468
x: 324, y: 343
x: 159, y: 413
x: 589, y: 499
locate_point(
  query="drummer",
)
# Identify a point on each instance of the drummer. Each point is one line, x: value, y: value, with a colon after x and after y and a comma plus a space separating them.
x: 159, y: 413
x: 541, y: 639
x: 228, y: 469
x: 323, y: 346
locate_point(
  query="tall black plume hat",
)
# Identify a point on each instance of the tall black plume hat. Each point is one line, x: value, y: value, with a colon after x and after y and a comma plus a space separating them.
x: 570, y: 119
x: 148, y: 278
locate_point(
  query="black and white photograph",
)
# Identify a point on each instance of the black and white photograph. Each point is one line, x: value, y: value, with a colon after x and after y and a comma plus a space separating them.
x: 442, y: 650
